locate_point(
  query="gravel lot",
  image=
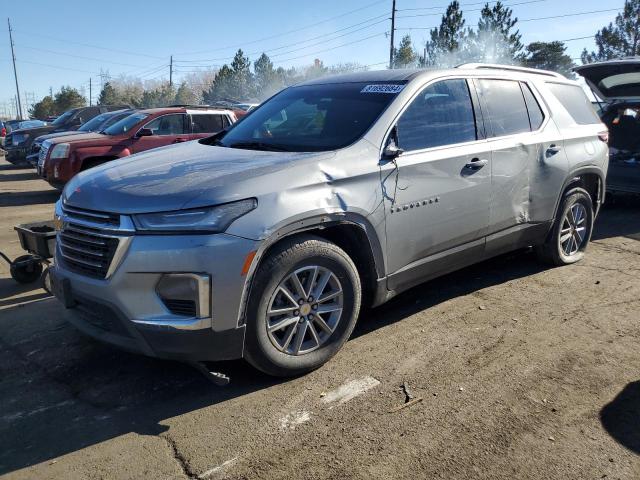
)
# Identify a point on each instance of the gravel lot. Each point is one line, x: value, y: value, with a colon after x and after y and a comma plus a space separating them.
x: 522, y: 371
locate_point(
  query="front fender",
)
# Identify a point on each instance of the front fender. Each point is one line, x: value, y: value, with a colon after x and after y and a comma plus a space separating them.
x: 315, y: 221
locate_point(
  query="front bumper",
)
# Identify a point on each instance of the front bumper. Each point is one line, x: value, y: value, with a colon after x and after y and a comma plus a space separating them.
x: 124, y: 310
x: 16, y: 155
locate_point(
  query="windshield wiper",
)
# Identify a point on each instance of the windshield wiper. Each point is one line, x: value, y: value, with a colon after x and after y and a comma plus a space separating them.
x: 272, y: 147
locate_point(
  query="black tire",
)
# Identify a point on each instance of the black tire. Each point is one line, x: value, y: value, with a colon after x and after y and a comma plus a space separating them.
x: 286, y: 258
x: 45, y: 280
x: 28, y: 272
x: 551, y: 251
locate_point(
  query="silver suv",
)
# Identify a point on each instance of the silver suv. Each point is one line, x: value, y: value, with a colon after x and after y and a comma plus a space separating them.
x: 265, y: 240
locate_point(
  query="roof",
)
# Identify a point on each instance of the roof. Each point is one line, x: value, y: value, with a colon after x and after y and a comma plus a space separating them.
x: 405, y: 75
x: 194, y: 109
x: 396, y: 75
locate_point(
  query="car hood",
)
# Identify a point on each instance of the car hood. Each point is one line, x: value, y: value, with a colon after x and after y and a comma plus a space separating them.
x: 34, y: 132
x: 50, y: 136
x: 614, y: 79
x: 88, y: 138
x: 188, y: 175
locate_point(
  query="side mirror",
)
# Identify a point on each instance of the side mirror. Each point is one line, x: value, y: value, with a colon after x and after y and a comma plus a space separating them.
x: 392, y: 151
x: 144, y: 132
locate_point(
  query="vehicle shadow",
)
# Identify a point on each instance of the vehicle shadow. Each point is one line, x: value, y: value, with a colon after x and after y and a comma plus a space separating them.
x: 62, y: 392
x: 620, y: 217
x: 12, y: 292
x: 20, y: 199
x: 13, y: 177
x: 621, y: 417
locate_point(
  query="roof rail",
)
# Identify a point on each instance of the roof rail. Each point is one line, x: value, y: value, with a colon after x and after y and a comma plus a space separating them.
x: 186, y: 105
x: 511, y: 68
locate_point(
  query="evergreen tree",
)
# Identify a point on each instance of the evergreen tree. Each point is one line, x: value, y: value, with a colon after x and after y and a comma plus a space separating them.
x: 267, y: 80
x: 619, y: 39
x: 496, y: 40
x: 43, y: 109
x: 185, y: 96
x: 108, y: 95
x: 404, y: 56
x: 68, y: 98
x: 447, y: 40
x: 549, y: 56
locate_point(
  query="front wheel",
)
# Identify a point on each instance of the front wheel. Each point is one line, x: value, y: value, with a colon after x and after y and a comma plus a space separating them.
x: 571, y: 230
x: 303, y: 307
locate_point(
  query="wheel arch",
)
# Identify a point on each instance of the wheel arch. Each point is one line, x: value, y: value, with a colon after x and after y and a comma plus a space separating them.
x: 349, y: 231
x: 591, y: 179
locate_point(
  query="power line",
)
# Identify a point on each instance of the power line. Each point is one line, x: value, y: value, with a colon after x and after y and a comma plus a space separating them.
x: 287, y: 32
x: 54, y: 52
x: 531, y: 19
x: 334, y: 48
x: 469, y: 4
x: 325, y: 41
x: 125, y: 52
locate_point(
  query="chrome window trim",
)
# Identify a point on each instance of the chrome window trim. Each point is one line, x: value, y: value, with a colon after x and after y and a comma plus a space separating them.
x: 531, y: 84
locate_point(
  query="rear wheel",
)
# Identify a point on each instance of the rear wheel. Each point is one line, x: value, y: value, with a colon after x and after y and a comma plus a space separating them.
x: 303, y: 307
x: 571, y: 231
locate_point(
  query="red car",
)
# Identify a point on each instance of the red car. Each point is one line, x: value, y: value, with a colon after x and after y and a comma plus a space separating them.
x: 63, y: 157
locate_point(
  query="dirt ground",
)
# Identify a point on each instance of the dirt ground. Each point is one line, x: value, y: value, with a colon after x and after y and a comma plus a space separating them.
x: 522, y: 371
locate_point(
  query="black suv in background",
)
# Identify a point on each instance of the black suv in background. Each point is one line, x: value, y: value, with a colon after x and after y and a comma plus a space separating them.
x: 96, y: 124
x: 18, y: 142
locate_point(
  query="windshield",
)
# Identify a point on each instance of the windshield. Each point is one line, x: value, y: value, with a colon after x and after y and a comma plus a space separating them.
x: 63, y: 118
x: 312, y: 118
x: 94, y: 124
x: 126, y: 124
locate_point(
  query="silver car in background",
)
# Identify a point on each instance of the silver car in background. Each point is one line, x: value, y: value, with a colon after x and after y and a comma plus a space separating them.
x: 264, y: 241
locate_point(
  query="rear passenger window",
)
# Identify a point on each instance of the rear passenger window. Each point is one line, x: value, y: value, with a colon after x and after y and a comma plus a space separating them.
x: 574, y: 100
x: 536, y: 117
x: 442, y: 114
x: 207, y: 123
x: 167, y: 125
x: 506, y: 110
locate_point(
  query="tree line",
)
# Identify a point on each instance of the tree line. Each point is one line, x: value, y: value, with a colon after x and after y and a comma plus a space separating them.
x: 494, y: 39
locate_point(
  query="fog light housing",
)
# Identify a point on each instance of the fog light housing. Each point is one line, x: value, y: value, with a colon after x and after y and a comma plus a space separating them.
x: 186, y: 294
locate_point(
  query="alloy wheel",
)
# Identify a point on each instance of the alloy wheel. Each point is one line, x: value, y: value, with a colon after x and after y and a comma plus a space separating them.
x: 574, y: 230
x: 304, y: 310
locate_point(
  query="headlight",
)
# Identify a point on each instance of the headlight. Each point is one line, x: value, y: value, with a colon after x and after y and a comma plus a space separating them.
x: 210, y: 219
x: 19, y: 138
x: 61, y: 150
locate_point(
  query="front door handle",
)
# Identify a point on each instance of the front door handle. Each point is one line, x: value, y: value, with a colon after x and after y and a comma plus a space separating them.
x: 477, y: 163
x: 179, y: 140
x: 553, y: 149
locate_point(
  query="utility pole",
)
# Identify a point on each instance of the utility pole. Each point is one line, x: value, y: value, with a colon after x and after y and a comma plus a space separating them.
x: 51, y: 92
x: 90, y: 96
x: 171, y: 70
x: 393, y: 30
x: 15, y: 74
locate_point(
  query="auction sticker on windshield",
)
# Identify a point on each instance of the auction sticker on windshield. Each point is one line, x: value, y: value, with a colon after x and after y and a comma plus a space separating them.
x: 382, y: 89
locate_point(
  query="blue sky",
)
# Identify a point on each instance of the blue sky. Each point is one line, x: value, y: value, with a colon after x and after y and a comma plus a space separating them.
x: 83, y: 38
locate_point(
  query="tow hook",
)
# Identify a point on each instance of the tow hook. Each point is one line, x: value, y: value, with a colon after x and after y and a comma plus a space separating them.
x: 217, y: 378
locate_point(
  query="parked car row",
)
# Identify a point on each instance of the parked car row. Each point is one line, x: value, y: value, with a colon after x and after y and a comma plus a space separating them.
x: 18, y: 142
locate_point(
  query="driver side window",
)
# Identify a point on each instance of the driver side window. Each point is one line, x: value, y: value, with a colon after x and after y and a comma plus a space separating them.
x: 442, y: 114
x: 167, y: 125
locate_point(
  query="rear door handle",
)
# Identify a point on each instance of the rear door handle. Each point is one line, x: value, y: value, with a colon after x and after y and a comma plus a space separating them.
x: 477, y: 163
x: 553, y: 149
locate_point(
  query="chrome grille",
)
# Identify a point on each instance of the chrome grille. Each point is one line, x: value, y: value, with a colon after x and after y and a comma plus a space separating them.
x: 42, y: 154
x: 87, y: 249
